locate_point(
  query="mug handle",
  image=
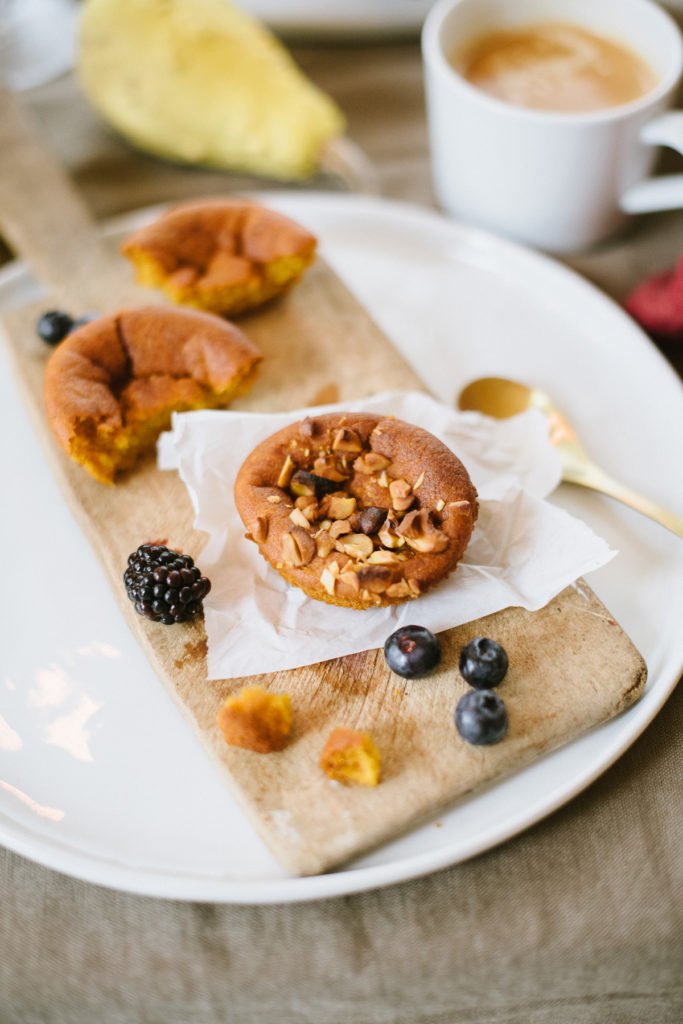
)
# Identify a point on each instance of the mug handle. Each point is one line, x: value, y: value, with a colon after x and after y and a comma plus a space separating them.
x: 666, y: 192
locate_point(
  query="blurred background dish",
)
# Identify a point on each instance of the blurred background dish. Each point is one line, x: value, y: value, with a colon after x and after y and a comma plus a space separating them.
x: 357, y: 18
x: 340, y: 18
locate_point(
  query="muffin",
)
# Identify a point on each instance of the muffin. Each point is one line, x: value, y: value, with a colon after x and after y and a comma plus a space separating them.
x: 112, y: 384
x: 221, y: 255
x: 357, y: 510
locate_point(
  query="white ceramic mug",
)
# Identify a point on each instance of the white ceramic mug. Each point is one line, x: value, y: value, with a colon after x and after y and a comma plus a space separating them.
x: 559, y: 181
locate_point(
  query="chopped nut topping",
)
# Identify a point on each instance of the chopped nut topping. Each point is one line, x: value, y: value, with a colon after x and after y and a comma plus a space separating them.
x: 309, y: 427
x: 260, y: 531
x: 381, y: 557
x: 328, y: 577
x: 311, y: 512
x: 371, y: 519
x: 328, y: 581
x: 388, y: 535
x: 324, y: 544
x: 309, y: 507
x: 351, y: 580
x: 339, y: 527
x: 375, y: 578
x: 401, y: 496
x: 341, y: 507
x: 299, y: 519
x: 356, y: 513
x: 298, y: 547
x: 305, y: 483
x: 371, y: 462
x: 356, y: 545
x: 347, y: 440
x: 421, y: 534
x: 328, y: 468
x: 286, y: 472
x: 301, y: 485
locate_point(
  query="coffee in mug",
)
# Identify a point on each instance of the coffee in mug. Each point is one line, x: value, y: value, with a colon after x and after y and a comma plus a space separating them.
x: 559, y: 180
x: 555, y: 66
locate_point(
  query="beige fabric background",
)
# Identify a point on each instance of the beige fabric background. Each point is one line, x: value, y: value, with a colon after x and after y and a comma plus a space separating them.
x: 578, y: 921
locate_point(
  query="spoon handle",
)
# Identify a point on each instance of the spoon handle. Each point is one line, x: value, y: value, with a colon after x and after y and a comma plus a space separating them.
x: 587, y: 474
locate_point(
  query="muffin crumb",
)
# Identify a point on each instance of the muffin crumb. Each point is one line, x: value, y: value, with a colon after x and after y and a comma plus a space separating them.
x: 351, y: 757
x: 256, y: 720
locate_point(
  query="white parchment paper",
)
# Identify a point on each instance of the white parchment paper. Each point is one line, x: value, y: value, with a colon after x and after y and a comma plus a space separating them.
x: 523, y: 550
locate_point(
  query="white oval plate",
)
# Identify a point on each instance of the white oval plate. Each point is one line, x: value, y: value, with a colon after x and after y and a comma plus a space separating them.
x: 348, y: 18
x: 100, y: 777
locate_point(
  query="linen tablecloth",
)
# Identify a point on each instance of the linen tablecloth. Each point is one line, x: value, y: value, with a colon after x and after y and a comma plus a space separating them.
x: 577, y: 921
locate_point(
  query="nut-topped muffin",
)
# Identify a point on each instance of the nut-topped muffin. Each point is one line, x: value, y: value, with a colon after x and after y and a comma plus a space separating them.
x: 357, y: 510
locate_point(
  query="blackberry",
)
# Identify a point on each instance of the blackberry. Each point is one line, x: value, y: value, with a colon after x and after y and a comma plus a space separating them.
x: 166, y: 586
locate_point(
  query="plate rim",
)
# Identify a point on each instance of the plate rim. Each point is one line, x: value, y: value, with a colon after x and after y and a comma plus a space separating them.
x: 305, y: 19
x: 88, y: 866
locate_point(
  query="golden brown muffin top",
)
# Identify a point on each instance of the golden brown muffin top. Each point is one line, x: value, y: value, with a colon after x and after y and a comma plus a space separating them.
x: 219, y: 238
x: 123, y: 365
x: 357, y: 509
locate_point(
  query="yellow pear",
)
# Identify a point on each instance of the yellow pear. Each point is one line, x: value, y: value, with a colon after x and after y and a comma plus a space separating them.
x: 200, y: 81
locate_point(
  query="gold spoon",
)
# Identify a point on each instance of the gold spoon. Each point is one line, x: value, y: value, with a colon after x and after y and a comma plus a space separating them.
x: 501, y: 398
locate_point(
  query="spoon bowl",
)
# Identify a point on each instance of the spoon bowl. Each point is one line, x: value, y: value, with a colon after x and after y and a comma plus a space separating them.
x: 501, y: 398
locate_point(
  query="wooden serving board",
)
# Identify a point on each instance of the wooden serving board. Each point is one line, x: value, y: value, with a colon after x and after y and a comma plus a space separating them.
x: 571, y: 666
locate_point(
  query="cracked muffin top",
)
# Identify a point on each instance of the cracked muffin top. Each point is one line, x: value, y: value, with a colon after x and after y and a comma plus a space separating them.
x: 222, y: 255
x: 112, y: 384
x: 357, y: 510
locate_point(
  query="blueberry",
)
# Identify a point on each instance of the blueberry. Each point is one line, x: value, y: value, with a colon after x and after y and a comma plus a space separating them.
x: 54, y: 326
x: 412, y: 651
x: 481, y: 718
x: 483, y: 662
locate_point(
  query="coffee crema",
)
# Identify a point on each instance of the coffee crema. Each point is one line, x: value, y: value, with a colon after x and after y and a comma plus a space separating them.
x: 555, y: 66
